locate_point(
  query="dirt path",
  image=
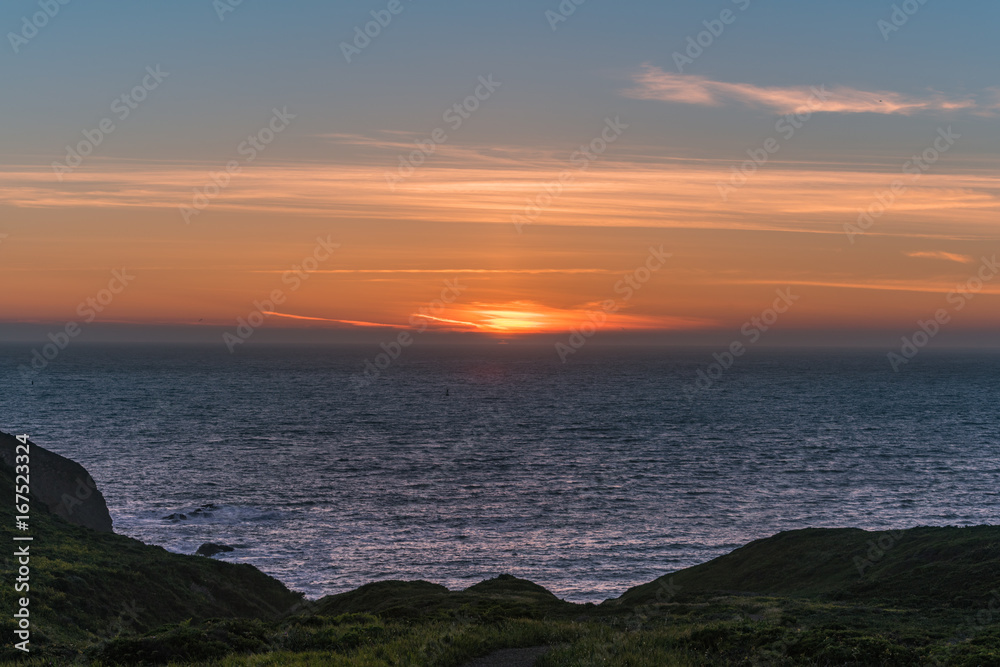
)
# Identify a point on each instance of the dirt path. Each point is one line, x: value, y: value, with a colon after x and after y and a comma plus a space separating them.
x: 511, y: 657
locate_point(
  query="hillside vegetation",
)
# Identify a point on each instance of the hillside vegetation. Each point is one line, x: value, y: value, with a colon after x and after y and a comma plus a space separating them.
x: 925, y: 596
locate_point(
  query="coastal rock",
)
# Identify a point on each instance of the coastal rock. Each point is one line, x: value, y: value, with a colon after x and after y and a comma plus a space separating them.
x: 64, y: 486
x: 205, y: 510
x: 210, y: 549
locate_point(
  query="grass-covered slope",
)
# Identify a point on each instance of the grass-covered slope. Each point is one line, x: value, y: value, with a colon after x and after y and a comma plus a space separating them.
x: 941, y: 567
x: 786, y: 600
x: 502, y: 597
x: 926, y: 596
x: 412, y: 623
x: 87, y: 585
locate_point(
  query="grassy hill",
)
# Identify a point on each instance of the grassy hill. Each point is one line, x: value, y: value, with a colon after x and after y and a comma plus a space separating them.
x: 504, y: 596
x: 925, y: 596
x: 87, y: 586
x: 938, y: 567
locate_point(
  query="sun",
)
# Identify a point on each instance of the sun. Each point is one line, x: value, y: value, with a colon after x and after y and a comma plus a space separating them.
x: 516, y: 317
x: 513, y: 321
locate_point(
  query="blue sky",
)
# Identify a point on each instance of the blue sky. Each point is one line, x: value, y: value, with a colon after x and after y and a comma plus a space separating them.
x: 226, y: 75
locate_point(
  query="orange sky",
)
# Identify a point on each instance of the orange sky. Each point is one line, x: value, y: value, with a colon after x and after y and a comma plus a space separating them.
x: 536, y: 164
x: 785, y: 227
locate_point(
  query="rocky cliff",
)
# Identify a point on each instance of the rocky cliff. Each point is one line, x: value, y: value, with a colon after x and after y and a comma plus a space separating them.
x: 65, y: 486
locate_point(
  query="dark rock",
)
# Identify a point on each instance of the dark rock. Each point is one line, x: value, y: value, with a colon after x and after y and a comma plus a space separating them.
x: 210, y: 549
x: 205, y: 509
x: 63, y: 486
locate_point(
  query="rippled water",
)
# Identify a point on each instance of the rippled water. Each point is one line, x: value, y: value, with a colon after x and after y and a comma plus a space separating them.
x: 587, y: 477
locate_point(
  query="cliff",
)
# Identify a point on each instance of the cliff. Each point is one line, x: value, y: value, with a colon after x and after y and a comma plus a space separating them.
x: 63, y: 486
x: 90, y: 585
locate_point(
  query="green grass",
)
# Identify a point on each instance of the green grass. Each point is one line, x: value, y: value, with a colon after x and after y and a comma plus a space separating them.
x: 733, y: 630
x: 86, y: 586
x: 956, y: 567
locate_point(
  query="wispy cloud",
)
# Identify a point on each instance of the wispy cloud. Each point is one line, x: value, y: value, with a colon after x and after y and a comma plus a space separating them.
x: 654, y: 83
x: 521, y: 316
x: 447, y: 321
x: 527, y: 316
x: 644, y: 191
x: 937, y: 254
x: 356, y: 323
x: 452, y: 271
x: 912, y: 285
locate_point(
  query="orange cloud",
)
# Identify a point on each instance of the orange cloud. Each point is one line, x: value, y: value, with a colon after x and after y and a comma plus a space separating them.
x: 534, y: 317
x: 356, y: 323
x: 447, y: 321
x: 942, y: 286
x: 947, y: 256
x: 654, y: 83
x: 527, y: 317
x: 627, y: 192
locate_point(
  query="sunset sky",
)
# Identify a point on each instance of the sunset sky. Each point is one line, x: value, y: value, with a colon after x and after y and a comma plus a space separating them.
x: 590, y: 142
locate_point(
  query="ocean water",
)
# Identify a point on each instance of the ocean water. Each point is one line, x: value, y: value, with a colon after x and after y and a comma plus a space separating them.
x: 586, y: 477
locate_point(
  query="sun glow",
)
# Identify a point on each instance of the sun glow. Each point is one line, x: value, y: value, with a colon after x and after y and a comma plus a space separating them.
x: 514, y: 320
x: 524, y: 317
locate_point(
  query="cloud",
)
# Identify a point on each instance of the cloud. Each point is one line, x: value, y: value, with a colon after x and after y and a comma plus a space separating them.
x: 532, y: 316
x: 901, y: 285
x: 522, y: 316
x: 937, y: 254
x: 356, y: 323
x: 643, y: 190
x: 653, y: 83
x: 451, y: 271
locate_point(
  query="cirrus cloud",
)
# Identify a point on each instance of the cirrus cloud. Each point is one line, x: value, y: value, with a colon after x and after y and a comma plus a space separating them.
x: 938, y: 254
x: 654, y: 83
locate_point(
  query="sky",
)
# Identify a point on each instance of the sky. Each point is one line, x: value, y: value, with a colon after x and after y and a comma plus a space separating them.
x: 499, y: 168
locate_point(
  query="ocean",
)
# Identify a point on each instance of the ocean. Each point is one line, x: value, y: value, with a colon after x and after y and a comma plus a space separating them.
x: 463, y: 463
